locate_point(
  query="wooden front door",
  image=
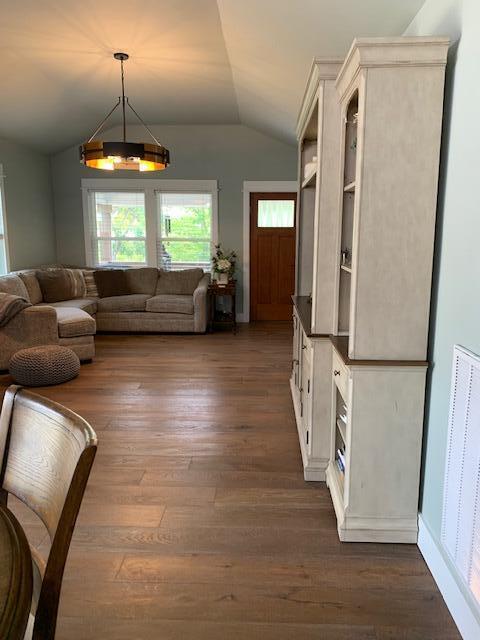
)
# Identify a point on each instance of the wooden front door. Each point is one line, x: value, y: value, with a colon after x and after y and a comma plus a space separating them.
x: 272, y: 255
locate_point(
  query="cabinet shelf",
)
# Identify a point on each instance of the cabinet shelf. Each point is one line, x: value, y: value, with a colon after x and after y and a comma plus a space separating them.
x: 310, y: 178
x: 342, y: 429
x: 340, y: 476
x: 350, y: 187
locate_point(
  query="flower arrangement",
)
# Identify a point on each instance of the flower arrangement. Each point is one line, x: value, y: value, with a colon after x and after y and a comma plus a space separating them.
x: 223, y: 263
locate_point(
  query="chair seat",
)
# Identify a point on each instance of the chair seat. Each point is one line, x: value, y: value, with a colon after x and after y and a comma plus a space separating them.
x: 85, y: 304
x: 170, y: 303
x: 74, y: 322
x: 132, y: 302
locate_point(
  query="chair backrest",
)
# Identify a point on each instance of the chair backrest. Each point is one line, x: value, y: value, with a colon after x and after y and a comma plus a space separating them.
x: 47, y: 452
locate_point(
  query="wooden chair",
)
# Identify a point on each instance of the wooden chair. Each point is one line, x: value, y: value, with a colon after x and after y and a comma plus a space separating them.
x: 47, y: 453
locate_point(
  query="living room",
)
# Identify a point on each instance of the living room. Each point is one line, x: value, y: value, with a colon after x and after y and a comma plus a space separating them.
x: 178, y: 181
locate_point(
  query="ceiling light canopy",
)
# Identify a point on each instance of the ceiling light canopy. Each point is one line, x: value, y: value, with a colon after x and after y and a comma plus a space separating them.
x: 136, y: 156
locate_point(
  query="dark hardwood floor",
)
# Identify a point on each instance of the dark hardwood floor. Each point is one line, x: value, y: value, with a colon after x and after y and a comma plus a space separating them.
x: 197, y: 524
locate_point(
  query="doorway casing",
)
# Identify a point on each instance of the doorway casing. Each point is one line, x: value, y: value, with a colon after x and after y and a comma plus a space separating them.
x: 272, y: 186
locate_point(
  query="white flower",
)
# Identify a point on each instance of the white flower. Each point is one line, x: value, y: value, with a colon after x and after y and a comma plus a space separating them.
x: 224, y: 265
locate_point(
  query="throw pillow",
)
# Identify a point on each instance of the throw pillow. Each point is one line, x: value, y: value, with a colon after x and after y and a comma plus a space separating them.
x: 14, y: 285
x: 142, y: 280
x: 77, y: 282
x: 33, y: 287
x: 91, y: 290
x: 111, y: 282
x: 178, y: 282
x: 58, y: 285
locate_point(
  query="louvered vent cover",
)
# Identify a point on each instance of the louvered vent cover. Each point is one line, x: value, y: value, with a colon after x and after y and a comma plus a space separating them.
x: 461, y: 502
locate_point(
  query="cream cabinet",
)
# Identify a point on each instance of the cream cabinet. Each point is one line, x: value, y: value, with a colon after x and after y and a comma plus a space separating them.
x: 311, y: 399
x: 369, y: 136
x: 313, y: 318
x: 391, y: 96
x: 374, y: 468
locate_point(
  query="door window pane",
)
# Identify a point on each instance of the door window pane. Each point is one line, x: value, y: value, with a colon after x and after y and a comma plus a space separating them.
x: 276, y: 213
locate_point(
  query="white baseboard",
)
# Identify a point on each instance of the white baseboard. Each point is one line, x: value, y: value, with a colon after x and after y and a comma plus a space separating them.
x: 462, y: 610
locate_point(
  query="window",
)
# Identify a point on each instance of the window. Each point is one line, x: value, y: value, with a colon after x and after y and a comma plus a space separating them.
x: 170, y: 224
x: 276, y: 213
x: 120, y: 228
x: 4, y: 267
x: 184, y: 230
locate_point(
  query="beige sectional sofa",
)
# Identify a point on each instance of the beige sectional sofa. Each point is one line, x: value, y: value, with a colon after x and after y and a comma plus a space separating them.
x: 149, y: 300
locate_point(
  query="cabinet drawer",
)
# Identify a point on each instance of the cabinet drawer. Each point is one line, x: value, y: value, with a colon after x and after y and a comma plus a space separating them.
x: 340, y: 375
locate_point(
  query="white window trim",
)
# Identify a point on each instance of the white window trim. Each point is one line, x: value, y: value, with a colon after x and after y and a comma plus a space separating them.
x: 249, y: 187
x: 5, y: 221
x: 150, y: 188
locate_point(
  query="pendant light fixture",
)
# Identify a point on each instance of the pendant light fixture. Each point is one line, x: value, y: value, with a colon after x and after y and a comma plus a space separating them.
x: 136, y: 156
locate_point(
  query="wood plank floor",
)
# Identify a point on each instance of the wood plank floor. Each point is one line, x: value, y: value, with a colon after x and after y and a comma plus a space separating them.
x: 197, y: 524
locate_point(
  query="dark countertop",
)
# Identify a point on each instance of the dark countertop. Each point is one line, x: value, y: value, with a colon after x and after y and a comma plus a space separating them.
x: 303, y: 307
x: 340, y: 344
x: 304, y: 310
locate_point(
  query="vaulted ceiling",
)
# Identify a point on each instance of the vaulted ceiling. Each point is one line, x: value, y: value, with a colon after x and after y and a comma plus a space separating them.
x: 192, y: 61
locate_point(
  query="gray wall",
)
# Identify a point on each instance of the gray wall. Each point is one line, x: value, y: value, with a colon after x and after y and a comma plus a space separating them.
x: 227, y: 153
x: 28, y: 205
x: 456, y: 299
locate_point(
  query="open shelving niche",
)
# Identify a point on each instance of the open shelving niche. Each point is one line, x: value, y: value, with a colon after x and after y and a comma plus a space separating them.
x: 340, y: 449
x: 306, y: 202
x: 347, y: 214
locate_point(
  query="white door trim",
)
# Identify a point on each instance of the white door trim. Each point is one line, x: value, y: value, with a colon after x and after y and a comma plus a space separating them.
x: 272, y: 186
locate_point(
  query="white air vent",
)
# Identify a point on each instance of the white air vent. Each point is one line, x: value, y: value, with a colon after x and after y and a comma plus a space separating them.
x: 461, y: 502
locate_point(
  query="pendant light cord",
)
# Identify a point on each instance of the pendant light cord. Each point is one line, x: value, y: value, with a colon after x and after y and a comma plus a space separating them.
x: 100, y: 126
x: 123, y: 103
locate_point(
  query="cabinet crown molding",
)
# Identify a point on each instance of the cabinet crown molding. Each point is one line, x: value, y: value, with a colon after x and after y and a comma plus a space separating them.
x: 320, y: 69
x: 391, y: 52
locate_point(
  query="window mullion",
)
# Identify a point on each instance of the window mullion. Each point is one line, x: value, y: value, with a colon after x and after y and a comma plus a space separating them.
x: 151, y: 227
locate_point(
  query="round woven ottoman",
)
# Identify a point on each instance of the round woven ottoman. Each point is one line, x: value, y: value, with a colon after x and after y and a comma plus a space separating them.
x: 42, y: 366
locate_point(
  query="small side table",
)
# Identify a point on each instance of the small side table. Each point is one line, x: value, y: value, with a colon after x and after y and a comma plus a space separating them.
x: 218, y: 317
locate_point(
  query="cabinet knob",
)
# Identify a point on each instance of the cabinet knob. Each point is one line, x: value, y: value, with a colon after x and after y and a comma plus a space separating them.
x: 336, y: 372
x: 294, y: 361
x: 304, y: 346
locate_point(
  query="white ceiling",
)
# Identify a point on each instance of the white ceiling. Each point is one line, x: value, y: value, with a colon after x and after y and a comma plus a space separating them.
x: 192, y: 61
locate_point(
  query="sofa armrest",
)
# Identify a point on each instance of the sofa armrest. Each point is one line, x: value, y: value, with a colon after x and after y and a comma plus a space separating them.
x: 200, y: 305
x: 31, y: 327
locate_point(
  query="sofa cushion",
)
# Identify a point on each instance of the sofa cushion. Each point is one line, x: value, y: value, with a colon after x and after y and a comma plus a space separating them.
x: 74, y: 322
x: 111, y: 282
x: 85, y: 304
x: 61, y: 284
x: 91, y: 290
x: 143, y: 280
x: 178, y: 282
x: 132, y: 302
x: 32, y: 285
x: 14, y: 285
x: 170, y: 304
